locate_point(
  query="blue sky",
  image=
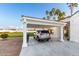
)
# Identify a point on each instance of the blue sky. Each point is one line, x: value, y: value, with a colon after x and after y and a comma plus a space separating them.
x: 10, y: 14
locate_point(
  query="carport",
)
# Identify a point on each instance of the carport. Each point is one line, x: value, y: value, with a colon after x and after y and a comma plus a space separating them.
x: 32, y: 22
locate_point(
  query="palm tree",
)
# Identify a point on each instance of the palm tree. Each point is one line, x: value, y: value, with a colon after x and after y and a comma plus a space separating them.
x: 72, y: 6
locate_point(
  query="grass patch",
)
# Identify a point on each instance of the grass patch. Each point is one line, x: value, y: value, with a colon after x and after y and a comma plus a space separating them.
x: 17, y: 34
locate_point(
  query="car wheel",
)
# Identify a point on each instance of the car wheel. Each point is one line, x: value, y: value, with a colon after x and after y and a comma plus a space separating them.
x: 48, y: 39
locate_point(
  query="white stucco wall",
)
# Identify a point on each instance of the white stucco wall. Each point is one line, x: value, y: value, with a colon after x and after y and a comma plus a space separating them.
x: 74, y: 27
x: 56, y: 34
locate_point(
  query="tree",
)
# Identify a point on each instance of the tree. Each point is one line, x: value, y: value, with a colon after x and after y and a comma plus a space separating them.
x: 47, y: 14
x: 72, y: 6
x: 53, y: 12
x: 61, y: 15
x: 43, y: 17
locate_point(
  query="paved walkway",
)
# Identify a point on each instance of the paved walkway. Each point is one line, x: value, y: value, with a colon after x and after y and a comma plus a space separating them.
x: 51, y: 48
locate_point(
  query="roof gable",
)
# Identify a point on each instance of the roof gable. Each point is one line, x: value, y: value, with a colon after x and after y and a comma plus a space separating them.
x: 75, y: 13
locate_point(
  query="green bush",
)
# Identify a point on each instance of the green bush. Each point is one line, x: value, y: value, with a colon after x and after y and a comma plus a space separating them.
x: 4, y: 35
x: 31, y: 33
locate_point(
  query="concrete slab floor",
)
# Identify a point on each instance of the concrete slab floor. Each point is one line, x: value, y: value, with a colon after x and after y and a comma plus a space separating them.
x: 50, y: 48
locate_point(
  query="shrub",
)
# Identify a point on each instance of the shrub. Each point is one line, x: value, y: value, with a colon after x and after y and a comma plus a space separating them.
x: 4, y: 35
x: 31, y: 33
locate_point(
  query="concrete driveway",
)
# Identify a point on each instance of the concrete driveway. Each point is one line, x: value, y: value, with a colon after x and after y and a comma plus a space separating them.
x: 51, y: 48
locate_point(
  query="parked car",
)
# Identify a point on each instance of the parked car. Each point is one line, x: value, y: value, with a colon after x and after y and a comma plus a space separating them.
x: 42, y: 35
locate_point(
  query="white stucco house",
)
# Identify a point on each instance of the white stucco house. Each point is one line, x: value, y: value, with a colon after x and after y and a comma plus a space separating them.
x: 74, y: 27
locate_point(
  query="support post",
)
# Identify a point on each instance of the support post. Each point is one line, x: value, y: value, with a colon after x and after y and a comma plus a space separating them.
x: 62, y: 35
x: 24, y: 35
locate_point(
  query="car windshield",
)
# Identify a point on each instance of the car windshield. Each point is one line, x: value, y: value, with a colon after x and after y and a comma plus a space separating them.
x: 43, y: 31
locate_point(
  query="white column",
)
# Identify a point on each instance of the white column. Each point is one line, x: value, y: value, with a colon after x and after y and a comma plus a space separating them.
x: 24, y: 35
x: 62, y: 34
